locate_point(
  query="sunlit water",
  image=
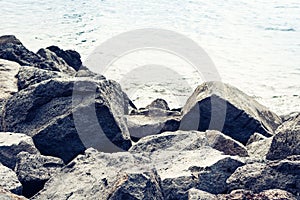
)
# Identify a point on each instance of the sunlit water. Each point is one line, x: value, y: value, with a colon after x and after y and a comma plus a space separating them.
x: 255, y: 45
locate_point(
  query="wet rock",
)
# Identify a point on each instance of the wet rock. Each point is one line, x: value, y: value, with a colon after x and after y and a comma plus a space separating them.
x: 71, y: 57
x: 11, y: 144
x: 189, y: 140
x: 9, y: 180
x: 195, y: 194
x: 33, y: 170
x: 6, y: 195
x: 258, y: 177
x: 274, y: 194
x: 286, y: 142
x: 98, y: 175
x: 65, y: 116
x: 219, y: 106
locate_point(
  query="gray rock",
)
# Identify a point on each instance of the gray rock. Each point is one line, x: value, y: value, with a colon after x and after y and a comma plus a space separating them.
x: 33, y: 170
x: 189, y: 140
x: 9, y: 180
x: 31, y: 75
x: 258, y: 177
x: 98, y: 175
x: 159, y: 103
x: 11, y: 144
x: 286, y: 142
x: 64, y: 116
x: 232, y: 112
x: 6, y: 195
x: 71, y: 57
x: 195, y: 194
x: 258, y: 150
x: 8, y: 80
x: 255, y: 138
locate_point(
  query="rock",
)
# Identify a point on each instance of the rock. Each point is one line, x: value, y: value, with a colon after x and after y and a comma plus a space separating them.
x: 71, y: 57
x: 290, y: 116
x: 258, y: 177
x: 64, y: 116
x: 274, y: 194
x: 11, y: 144
x: 33, y: 170
x: 6, y: 195
x: 84, y: 72
x: 259, y: 149
x: 195, y: 194
x: 9, y: 180
x: 219, y: 106
x: 286, y: 142
x: 98, y: 175
x: 160, y: 104
x: 12, y: 49
x: 31, y: 75
x: 255, y: 138
x: 189, y: 140
x: 8, y: 80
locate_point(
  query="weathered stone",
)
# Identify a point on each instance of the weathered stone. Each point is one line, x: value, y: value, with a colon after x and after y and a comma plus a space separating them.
x: 11, y: 144
x: 71, y: 57
x: 195, y: 194
x: 158, y: 103
x: 259, y: 149
x: 9, y: 180
x: 255, y: 138
x: 219, y: 106
x: 274, y: 194
x: 6, y: 195
x: 64, y: 116
x: 258, y: 177
x: 8, y: 80
x: 33, y: 170
x: 286, y: 142
x: 97, y: 175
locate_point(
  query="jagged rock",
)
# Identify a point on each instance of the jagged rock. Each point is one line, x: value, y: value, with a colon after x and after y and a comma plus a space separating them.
x: 31, y: 75
x: 33, y: 170
x: 286, y: 142
x: 255, y: 138
x: 158, y: 103
x: 195, y: 194
x: 258, y: 177
x: 9, y: 180
x: 290, y: 116
x: 6, y: 195
x: 84, y: 72
x: 274, y: 194
x: 8, y: 80
x: 259, y: 149
x: 98, y: 175
x: 65, y: 116
x: 189, y: 140
x: 71, y: 57
x: 219, y: 106
x: 11, y: 144
x: 12, y: 49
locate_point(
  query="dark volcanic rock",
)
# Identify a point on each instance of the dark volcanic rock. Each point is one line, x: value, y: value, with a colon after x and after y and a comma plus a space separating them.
x: 219, y: 106
x: 64, y: 116
x: 97, y: 175
x: 6, y: 195
x: 11, y: 144
x: 9, y: 180
x: 71, y: 57
x: 286, y: 142
x: 33, y: 170
x: 258, y: 177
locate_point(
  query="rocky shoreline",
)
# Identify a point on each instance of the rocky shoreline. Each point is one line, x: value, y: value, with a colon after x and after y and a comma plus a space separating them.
x: 69, y: 133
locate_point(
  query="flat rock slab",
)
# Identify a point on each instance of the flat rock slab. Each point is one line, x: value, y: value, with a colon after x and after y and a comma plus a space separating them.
x: 218, y: 106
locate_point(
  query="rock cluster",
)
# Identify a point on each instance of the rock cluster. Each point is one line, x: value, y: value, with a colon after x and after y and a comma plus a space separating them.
x: 69, y: 133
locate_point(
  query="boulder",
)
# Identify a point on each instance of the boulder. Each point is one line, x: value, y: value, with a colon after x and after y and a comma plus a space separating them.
x: 159, y: 103
x: 218, y: 106
x: 274, y: 194
x: 12, y: 49
x: 286, y: 142
x: 33, y: 170
x: 98, y: 175
x: 258, y: 177
x: 64, y: 116
x: 6, y: 195
x: 71, y: 57
x: 8, y: 80
x: 9, y: 180
x: 258, y: 150
x: 11, y: 144
x: 189, y: 140
x: 255, y: 138
x: 195, y: 194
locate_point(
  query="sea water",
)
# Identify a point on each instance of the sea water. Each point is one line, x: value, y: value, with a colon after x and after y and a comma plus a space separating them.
x: 255, y: 45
